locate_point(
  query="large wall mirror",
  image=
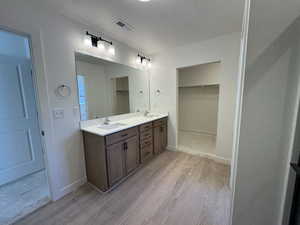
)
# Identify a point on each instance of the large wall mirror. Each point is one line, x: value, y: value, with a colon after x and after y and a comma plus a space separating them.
x: 106, y: 88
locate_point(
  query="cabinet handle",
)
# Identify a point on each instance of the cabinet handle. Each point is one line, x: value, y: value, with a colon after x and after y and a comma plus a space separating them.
x: 125, y: 146
x: 124, y: 135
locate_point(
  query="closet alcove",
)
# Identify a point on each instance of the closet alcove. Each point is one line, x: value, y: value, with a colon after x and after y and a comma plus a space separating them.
x: 198, y: 103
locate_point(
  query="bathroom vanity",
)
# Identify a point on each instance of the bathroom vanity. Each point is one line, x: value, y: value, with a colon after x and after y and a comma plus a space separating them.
x: 117, y: 146
x: 115, y: 151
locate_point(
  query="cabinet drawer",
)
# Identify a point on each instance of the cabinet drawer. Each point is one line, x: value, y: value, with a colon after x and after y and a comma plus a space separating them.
x: 119, y: 136
x: 146, y: 134
x: 146, y: 126
x: 146, y: 153
x: 146, y: 142
x: 160, y: 122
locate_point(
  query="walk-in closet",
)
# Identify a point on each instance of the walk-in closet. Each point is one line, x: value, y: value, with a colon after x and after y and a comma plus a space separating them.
x: 198, y: 101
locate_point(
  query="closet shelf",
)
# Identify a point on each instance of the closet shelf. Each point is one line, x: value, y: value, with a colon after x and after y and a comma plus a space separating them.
x: 198, y: 85
x: 122, y: 90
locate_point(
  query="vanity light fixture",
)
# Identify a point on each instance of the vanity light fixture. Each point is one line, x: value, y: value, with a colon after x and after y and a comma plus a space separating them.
x: 87, y: 41
x: 98, y: 42
x: 143, y: 60
x: 93, y: 39
x: 111, y: 50
x: 101, y: 46
x: 144, y: 63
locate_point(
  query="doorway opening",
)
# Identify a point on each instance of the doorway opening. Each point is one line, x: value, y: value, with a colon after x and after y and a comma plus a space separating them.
x: 120, y: 95
x: 198, y: 103
x: 23, y: 179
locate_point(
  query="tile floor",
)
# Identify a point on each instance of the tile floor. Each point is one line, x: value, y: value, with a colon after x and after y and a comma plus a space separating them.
x: 23, y: 196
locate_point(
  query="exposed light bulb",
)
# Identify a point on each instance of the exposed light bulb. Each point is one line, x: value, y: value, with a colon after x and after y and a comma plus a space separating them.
x: 144, y: 0
x: 87, y: 41
x: 149, y: 64
x: 112, y: 50
x: 138, y: 60
x: 101, y: 46
x: 144, y: 63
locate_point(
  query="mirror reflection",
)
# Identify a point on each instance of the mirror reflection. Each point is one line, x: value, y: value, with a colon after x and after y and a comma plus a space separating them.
x: 106, y: 88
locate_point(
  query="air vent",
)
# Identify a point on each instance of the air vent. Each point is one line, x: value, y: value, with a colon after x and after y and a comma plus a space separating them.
x: 122, y: 24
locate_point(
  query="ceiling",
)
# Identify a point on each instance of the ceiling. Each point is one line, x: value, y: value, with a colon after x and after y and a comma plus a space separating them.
x: 158, y: 24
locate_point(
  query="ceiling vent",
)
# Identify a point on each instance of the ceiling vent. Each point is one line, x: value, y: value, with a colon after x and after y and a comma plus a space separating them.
x: 122, y: 24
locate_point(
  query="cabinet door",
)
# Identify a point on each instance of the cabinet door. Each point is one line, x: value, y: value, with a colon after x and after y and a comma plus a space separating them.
x: 157, y: 140
x: 164, y: 137
x: 115, y: 162
x: 131, y: 154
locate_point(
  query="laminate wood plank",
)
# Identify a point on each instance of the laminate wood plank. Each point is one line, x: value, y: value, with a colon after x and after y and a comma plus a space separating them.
x: 172, y: 189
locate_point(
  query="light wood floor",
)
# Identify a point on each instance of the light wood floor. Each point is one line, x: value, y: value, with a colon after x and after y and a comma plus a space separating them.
x: 174, y: 189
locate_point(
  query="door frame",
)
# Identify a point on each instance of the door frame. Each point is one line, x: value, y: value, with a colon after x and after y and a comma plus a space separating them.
x: 177, y: 95
x: 40, y: 92
x: 239, y: 103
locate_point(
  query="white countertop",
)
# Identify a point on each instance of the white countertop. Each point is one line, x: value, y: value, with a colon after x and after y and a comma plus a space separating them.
x: 133, y: 121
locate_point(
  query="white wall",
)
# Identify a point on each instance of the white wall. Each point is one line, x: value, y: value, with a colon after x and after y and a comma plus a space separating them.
x: 268, y: 114
x: 198, y: 109
x: 206, y: 74
x: 291, y: 127
x: 55, y: 39
x: 163, y: 78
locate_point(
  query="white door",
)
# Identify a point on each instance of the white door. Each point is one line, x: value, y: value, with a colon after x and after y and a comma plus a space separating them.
x: 20, y: 141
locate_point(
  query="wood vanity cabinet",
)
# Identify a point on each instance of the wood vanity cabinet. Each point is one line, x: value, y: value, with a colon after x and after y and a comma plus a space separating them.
x: 146, y: 142
x: 160, y: 138
x: 122, y: 159
x: 132, y: 155
x: 115, y: 163
x: 110, y: 159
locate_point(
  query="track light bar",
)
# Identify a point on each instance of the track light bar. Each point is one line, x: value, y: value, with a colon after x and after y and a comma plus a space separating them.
x: 95, y: 39
x: 143, y: 58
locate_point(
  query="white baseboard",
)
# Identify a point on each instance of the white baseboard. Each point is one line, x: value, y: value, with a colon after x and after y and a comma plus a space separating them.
x: 200, y: 132
x: 171, y: 148
x: 213, y: 157
x: 70, y: 188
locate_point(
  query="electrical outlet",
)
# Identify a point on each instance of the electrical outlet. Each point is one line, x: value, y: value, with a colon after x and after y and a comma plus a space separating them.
x: 58, y: 113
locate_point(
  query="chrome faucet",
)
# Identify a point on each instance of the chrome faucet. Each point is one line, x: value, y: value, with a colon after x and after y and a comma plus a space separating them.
x: 146, y: 113
x: 106, y: 121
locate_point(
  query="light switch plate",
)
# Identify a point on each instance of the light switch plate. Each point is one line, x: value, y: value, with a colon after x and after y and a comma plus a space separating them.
x: 58, y: 113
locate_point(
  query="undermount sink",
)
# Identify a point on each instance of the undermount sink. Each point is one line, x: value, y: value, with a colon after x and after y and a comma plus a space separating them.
x: 111, y: 126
